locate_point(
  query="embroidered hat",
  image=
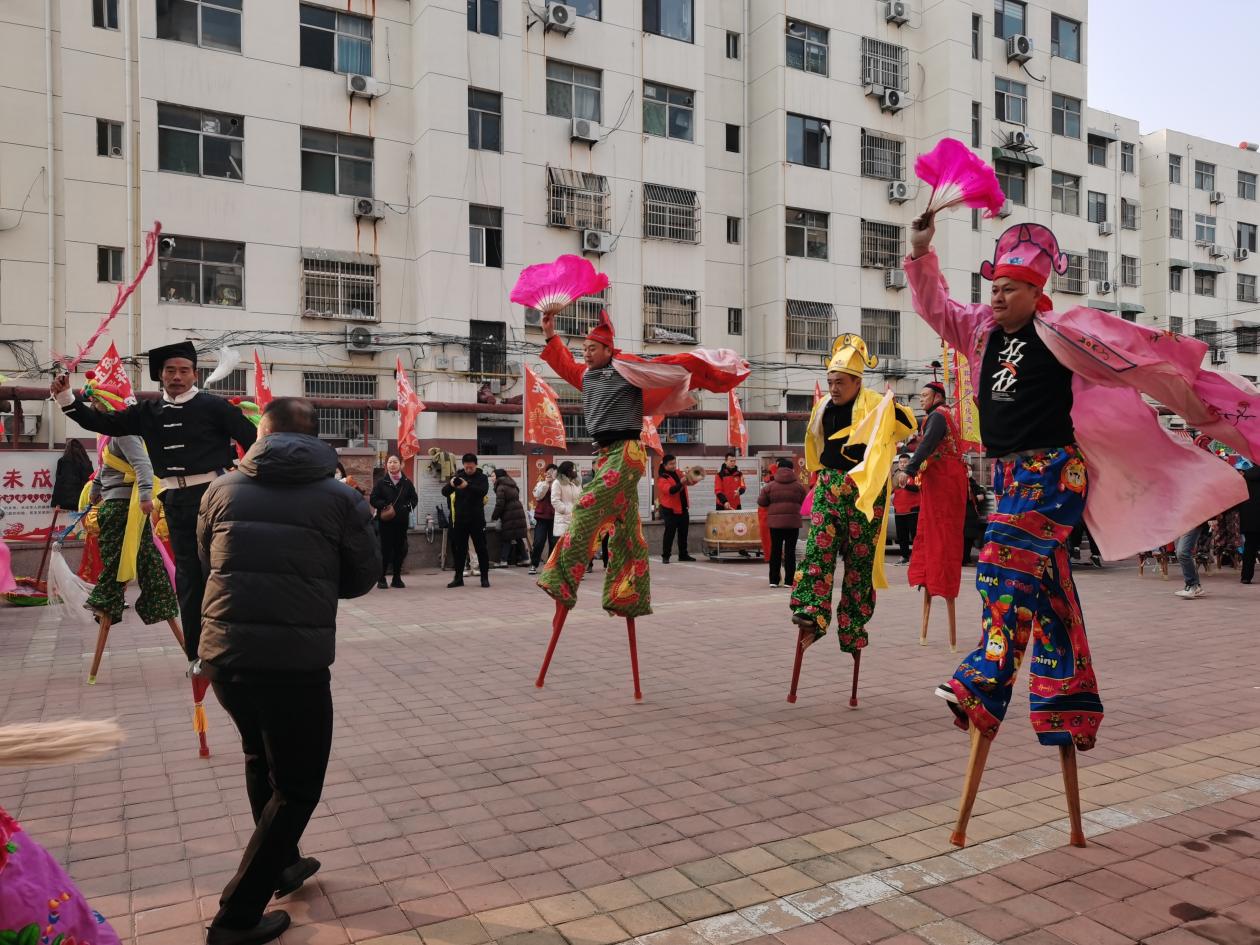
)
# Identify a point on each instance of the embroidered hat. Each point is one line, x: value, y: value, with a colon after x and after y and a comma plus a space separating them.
x: 849, y: 356
x: 1027, y: 252
x: 603, y: 331
x: 160, y: 355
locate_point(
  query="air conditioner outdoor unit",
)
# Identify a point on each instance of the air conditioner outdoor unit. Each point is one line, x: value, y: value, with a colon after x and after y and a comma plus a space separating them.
x: 1104, y: 287
x: 560, y: 17
x: 596, y: 241
x: 895, y: 279
x: 1216, y: 197
x: 365, y: 208
x: 360, y: 339
x: 896, y: 12
x: 1019, y: 141
x: 1217, y: 251
x: 898, y: 191
x: 893, y: 100
x: 364, y: 86
x: 1019, y: 48
x: 1005, y: 211
x: 1106, y: 228
x: 533, y: 317
x: 1241, y: 253
x: 584, y: 130
x: 1219, y: 356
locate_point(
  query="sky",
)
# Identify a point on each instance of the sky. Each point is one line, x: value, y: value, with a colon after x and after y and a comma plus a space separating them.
x: 1188, y: 65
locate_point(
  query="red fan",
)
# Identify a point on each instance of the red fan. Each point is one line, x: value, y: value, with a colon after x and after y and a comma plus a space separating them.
x: 552, y: 286
x: 958, y: 176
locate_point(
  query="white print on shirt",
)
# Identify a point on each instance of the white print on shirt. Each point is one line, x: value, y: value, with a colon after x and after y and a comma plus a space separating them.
x: 1007, y: 374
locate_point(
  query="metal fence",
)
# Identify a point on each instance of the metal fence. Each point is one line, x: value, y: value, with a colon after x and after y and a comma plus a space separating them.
x: 337, y: 423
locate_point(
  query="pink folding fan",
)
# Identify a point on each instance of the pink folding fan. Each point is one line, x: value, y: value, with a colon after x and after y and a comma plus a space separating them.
x: 958, y: 176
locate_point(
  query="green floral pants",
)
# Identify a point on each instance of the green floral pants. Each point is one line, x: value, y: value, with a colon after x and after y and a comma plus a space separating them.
x: 157, y: 600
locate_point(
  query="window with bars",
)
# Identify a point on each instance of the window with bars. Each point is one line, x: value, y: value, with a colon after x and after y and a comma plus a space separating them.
x: 671, y: 213
x: 1072, y: 280
x: 1065, y: 193
x: 1247, y: 289
x: 807, y: 47
x: 1129, y: 213
x: 806, y: 234
x: 883, y: 245
x: 231, y: 386
x: 977, y: 288
x: 581, y: 315
x: 811, y: 326
x: 1174, y: 285
x: 734, y: 321
x: 1010, y: 101
x: 1097, y: 207
x: 1246, y: 185
x: 885, y: 65
x: 1175, y: 218
x: 1247, y: 337
x: 487, y: 348
x: 808, y: 141
x: 1204, y: 176
x: 881, y: 330
x: 1204, y: 228
x: 1130, y: 271
x: 794, y: 430
x: 577, y: 200
x: 1205, y: 284
x: 342, y: 423
x: 1174, y: 168
x: 883, y: 157
x: 670, y: 316
x: 1175, y: 323
x: 1065, y: 115
x: 1205, y: 331
x: 680, y: 430
x: 1099, y: 266
x: 574, y: 423
x: 338, y: 285
x: 1128, y: 157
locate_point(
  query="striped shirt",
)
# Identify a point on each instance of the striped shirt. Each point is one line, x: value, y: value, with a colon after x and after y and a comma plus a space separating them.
x: 612, y: 405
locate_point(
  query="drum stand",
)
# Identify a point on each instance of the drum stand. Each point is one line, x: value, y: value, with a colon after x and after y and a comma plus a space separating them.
x: 557, y: 624
x: 953, y: 624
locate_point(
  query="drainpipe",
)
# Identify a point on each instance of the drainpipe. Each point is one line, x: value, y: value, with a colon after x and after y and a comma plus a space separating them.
x: 129, y: 157
x: 50, y: 185
x: 744, y: 143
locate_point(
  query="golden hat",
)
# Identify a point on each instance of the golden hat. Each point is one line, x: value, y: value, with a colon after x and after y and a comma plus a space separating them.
x: 849, y: 356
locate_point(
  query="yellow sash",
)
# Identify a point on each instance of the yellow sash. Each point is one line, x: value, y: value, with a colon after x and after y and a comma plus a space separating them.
x: 135, y: 519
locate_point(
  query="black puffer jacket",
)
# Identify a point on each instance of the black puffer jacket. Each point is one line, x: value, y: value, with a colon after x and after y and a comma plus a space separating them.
x: 1249, y: 511
x: 402, y: 497
x: 280, y: 540
x: 508, y: 509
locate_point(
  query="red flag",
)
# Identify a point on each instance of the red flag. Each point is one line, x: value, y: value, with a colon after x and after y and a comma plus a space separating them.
x: 737, y: 432
x: 409, y: 407
x: 818, y: 393
x: 543, y: 424
x: 262, y: 386
x: 110, y: 376
x: 651, y: 435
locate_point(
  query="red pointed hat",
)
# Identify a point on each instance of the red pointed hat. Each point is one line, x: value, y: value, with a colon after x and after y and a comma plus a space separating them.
x: 1027, y: 252
x: 603, y: 331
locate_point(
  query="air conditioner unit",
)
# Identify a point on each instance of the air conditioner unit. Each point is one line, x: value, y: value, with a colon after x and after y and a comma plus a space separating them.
x: 1217, y: 251
x: 1219, y: 356
x: 360, y: 340
x: 115, y: 151
x: 895, y: 279
x: 1241, y: 253
x: 898, y: 191
x: 896, y: 12
x: 893, y: 367
x: 1005, y: 211
x: 560, y: 17
x: 1216, y: 197
x: 893, y: 100
x: 596, y: 241
x: 533, y: 317
x: 1103, y: 288
x: 1019, y: 141
x: 584, y: 130
x: 364, y: 86
x: 365, y: 208
x: 1019, y: 48
x: 1106, y: 228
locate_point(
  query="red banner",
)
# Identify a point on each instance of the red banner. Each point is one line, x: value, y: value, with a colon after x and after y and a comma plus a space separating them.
x: 543, y: 424
x: 736, y: 430
x: 262, y: 386
x: 409, y: 407
x: 651, y: 434
x: 110, y: 376
x: 818, y: 393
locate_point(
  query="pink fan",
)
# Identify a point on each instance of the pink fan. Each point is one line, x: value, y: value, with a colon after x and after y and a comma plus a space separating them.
x: 554, y: 285
x: 958, y: 176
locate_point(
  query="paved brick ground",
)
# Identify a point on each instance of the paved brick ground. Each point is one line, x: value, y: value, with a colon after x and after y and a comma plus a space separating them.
x: 465, y: 806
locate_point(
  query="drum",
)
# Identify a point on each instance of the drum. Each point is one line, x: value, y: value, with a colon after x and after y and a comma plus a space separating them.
x: 731, y: 530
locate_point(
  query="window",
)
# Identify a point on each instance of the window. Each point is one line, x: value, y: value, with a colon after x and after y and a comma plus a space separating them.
x: 977, y: 30
x: 670, y: 316
x: 487, y: 348
x: 342, y: 423
x: 1014, y: 180
x: 881, y: 330
x: 1247, y: 338
x: 671, y: 18
x: 1246, y: 185
x: 334, y: 163
x: 883, y: 157
x: 1097, y: 207
x: 337, y: 42
x: 885, y: 65
x: 1247, y: 293
x: 976, y: 288
x: 574, y: 423
x: 1065, y: 115
x: 1099, y: 266
x: 591, y: 9
x: 732, y: 45
x: 573, y: 92
x: 975, y: 220
x: 339, y: 285
x: 811, y: 326
x: 1127, y: 157
x: 1204, y: 176
x: 1073, y: 278
x: 1174, y: 168
x: 105, y: 14
x: 732, y: 139
x: 202, y: 272
x: 1205, y: 331
x: 109, y: 264
x: 1205, y: 284
x: 1204, y: 228
x: 732, y: 229
x: 975, y: 124
x: 734, y: 321
x: 1175, y: 323
x: 1129, y: 212
x: 485, y: 236
x: 577, y: 200
x: 581, y: 315
x: 667, y: 111
x: 231, y: 386
x: 1065, y: 193
x: 680, y: 430
x: 795, y: 429
x: 109, y: 138
x: 1065, y: 38
x: 808, y: 141
x: 806, y: 47
x: 209, y: 144
x: 214, y: 24
x: 1174, y: 223
x: 1130, y: 271
x: 670, y: 213
x: 1247, y: 236
x: 1008, y: 18
x: 485, y: 121
x: 883, y: 245
x: 1097, y: 153
x: 1174, y: 285
x: 806, y: 234
x: 1010, y: 101
x: 483, y: 17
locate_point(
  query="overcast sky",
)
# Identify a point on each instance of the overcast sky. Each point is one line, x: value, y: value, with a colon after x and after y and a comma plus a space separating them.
x: 1190, y: 66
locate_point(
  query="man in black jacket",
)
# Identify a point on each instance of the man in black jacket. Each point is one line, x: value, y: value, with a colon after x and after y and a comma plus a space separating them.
x: 281, y: 540
x: 189, y: 436
x: 466, y: 493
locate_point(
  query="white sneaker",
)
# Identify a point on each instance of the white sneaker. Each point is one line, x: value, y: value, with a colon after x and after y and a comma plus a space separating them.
x: 774, y: 584
x: 1191, y: 593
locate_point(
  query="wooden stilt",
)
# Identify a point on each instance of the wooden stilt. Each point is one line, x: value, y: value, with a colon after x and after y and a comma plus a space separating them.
x: 927, y: 613
x: 634, y: 657
x: 971, y: 785
x: 557, y: 624
x: 796, y: 667
x: 953, y: 625
x: 101, y: 636
x: 1072, y: 792
x: 179, y: 634
x: 857, y: 667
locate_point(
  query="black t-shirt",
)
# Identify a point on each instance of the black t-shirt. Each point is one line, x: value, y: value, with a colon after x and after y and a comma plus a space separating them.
x: 1025, y: 395
x: 837, y: 454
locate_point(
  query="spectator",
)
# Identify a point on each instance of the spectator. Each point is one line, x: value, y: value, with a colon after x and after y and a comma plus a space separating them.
x: 905, y: 502
x: 782, y: 498
x: 349, y: 480
x: 1249, y: 521
x: 466, y: 492
x: 728, y: 484
x: 509, y: 512
x: 565, y: 491
x: 544, y: 518
x: 74, y: 469
x: 393, y: 497
x: 973, y: 525
x: 671, y: 493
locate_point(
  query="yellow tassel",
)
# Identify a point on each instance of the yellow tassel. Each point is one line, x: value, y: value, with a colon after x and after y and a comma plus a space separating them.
x: 200, y: 726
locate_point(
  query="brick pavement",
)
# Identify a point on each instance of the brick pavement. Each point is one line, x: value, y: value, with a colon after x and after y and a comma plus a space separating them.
x: 464, y: 806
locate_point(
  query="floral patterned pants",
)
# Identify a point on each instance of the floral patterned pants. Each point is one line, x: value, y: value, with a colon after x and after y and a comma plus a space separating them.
x: 157, y: 601
x: 608, y: 505
x: 837, y: 530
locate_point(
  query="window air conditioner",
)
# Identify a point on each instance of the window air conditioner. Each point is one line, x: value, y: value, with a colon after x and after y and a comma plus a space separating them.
x: 1104, y: 287
x: 364, y: 86
x: 1019, y: 48
x: 898, y: 191
x: 560, y: 17
x: 360, y: 340
x: 584, y: 130
x: 1216, y: 197
x: 1019, y: 141
x: 893, y: 100
x: 365, y: 208
x: 894, y: 279
x: 1241, y: 253
x: 1219, y: 356
x: 896, y: 12
x: 1217, y: 251
x: 1106, y: 228
x: 596, y: 241
x: 533, y: 317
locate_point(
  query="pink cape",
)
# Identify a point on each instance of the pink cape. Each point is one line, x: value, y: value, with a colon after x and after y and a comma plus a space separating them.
x: 1145, y: 487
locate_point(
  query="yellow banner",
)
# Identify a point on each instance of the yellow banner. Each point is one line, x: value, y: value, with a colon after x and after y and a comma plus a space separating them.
x: 961, y: 395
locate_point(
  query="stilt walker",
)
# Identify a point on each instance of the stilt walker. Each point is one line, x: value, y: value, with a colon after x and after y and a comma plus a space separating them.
x: 851, y: 443
x: 1062, y: 415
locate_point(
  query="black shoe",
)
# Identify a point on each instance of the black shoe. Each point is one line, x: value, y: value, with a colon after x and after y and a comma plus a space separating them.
x: 1095, y: 561
x: 269, y: 928
x: 381, y: 584
x: 485, y: 581
x: 458, y: 582
x: 292, y: 877
x: 397, y: 582
x: 686, y: 558
x: 664, y: 559
x: 946, y: 692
